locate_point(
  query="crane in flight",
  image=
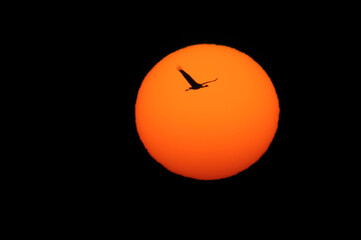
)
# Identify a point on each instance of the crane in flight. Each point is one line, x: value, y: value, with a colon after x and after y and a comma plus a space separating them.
x: 190, y: 80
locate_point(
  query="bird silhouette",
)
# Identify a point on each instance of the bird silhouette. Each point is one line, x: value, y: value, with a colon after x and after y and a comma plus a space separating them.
x: 190, y: 80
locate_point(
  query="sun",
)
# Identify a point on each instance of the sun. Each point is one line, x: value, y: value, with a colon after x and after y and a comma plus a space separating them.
x: 212, y: 132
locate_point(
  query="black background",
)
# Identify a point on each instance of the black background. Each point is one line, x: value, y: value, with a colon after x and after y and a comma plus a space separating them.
x: 98, y: 65
x: 84, y: 162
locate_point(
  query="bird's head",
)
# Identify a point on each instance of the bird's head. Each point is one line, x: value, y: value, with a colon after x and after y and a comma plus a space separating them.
x: 205, y: 85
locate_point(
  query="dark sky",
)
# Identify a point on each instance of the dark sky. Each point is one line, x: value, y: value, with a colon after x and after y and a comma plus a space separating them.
x: 90, y: 166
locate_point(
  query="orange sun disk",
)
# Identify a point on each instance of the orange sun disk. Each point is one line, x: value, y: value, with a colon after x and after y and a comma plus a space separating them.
x: 213, y: 132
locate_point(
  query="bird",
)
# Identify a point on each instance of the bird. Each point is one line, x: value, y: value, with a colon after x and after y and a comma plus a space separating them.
x: 190, y: 80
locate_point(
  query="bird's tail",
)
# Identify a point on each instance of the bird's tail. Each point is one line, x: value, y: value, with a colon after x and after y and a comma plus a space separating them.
x: 179, y: 68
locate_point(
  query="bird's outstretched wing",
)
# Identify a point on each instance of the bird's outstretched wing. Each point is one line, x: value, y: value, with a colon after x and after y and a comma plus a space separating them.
x: 210, y: 81
x: 189, y: 79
